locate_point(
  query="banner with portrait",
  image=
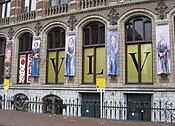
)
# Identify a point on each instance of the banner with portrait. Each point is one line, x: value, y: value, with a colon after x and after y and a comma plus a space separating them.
x: 70, y: 55
x: 35, y: 58
x: 163, y: 49
x: 112, y: 52
x: 7, y: 61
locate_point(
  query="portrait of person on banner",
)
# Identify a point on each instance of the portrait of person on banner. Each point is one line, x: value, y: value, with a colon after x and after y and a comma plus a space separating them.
x: 35, y: 58
x: 7, y: 61
x: 112, y: 52
x: 70, y: 56
x: 163, y: 50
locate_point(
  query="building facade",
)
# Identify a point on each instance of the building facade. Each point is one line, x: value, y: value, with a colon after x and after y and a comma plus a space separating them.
x: 56, y: 49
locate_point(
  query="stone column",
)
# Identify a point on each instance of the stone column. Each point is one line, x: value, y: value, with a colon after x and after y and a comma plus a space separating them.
x: 15, y: 10
x: 40, y: 9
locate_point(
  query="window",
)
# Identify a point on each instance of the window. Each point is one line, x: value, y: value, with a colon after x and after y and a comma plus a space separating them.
x: 139, y: 50
x: 25, y: 58
x: 57, y: 2
x: 93, y: 52
x: 55, y: 56
x: 29, y: 5
x: 2, y: 56
x: 52, y: 104
x: 5, y: 8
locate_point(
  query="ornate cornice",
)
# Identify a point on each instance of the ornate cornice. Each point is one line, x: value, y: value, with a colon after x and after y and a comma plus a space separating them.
x: 87, y: 10
x: 114, y: 6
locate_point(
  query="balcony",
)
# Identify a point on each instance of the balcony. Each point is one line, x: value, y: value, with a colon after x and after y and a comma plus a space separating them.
x: 62, y: 8
x: 91, y: 3
x: 26, y: 16
x: 4, y: 21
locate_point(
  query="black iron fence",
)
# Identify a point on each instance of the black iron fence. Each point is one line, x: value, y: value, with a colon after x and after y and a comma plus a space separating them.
x: 158, y: 111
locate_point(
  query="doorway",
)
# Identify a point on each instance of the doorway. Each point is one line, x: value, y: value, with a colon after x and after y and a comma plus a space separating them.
x: 139, y: 107
x: 90, y: 105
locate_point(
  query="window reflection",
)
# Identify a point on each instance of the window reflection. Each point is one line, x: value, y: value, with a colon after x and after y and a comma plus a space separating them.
x: 5, y: 9
x: 29, y: 5
x: 129, y: 32
x: 138, y: 30
x: 2, y: 56
x: 148, y: 34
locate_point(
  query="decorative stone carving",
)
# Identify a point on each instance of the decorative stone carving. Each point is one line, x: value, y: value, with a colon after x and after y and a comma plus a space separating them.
x: 20, y: 102
x: 161, y: 7
x: 38, y: 28
x: 72, y: 21
x: 10, y: 33
x: 114, y: 16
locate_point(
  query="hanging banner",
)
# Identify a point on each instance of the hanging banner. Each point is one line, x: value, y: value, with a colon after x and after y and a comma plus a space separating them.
x: 29, y: 62
x: 112, y: 52
x: 35, y: 58
x: 163, y: 49
x: 7, y: 61
x: 22, y: 66
x: 70, y: 55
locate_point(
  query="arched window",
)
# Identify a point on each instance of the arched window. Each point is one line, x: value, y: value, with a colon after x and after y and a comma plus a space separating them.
x: 93, y: 52
x: 25, y: 58
x: 5, y: 8
x: 2, y: 56
x: 52, y: 104
x: 55, y: 56
x: 139, y: 50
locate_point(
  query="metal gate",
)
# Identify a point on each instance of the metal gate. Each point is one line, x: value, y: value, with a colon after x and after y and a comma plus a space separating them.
x: 90, y: 105
x: 139, y: 107
x: 52, y: 104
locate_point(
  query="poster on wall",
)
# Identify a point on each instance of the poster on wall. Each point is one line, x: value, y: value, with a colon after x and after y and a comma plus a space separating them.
x: 25, y: 62
x: 22, y: 66
x: 163, y: 49
x: 112, y: 52
x: 7, y: 61
x: 29, y: 62
x: 35, y: 58
x: 70, y: 55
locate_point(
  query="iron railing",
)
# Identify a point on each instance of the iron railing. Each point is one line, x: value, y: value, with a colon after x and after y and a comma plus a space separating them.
x: 158, y: 111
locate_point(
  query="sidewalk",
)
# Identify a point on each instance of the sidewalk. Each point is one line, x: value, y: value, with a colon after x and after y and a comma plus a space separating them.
x: 15, y: 118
